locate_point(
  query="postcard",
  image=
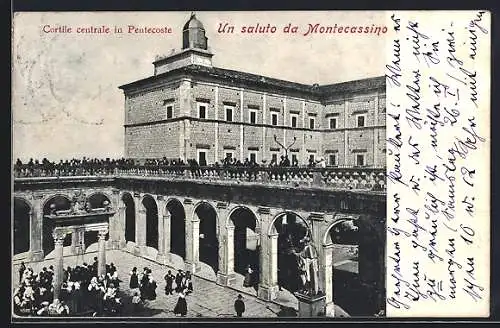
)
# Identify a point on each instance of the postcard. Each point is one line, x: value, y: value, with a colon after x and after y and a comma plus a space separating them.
x: 200, y: 165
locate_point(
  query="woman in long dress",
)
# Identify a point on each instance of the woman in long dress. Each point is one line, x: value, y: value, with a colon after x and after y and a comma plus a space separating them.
x: 181, y: 306
x: 248, y: 277
x: 134, y: 279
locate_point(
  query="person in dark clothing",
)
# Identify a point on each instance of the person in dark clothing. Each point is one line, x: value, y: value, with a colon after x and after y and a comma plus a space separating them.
x: 22, y: 268
x: 169, y: 280
x: 178, y: 281
x: 134, y: 279
x: 239, y: 306
x: 181, y: 306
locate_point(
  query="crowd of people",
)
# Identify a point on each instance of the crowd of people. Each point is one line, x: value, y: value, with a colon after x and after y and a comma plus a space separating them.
x: 96, y: 166
x: 82, y: 291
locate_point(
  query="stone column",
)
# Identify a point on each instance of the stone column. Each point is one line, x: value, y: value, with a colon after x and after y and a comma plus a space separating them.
x: 193, y: 245
x: 166, y: 234
x: 122, y: 214
x: 36, y: 229
x: 161, y: 241
x: 59, y: 267
x: 140, y: 226
x: 101, y: 269
x: 328, y: 285
x: 75, y: 242
x: 268, y: 285
x: 225, y: 276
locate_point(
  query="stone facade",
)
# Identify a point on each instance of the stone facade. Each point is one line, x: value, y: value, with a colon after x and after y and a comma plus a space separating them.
x: 344, y: 123
x: 319, y: 209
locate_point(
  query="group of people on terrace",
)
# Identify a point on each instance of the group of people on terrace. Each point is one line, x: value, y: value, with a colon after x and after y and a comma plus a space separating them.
x: 96, y: 166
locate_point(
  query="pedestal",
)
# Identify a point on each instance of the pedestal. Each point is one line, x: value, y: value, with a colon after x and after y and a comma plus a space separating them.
x: 225, y: 279
x: 267, y: 293
x: 311, y: 306
x: 59, y: 267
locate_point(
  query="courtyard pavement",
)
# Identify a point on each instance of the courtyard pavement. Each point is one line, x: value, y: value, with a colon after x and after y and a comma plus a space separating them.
x: 207, y: 300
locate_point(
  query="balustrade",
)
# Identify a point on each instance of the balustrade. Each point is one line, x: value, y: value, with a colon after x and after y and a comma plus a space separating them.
x: 348, y: 178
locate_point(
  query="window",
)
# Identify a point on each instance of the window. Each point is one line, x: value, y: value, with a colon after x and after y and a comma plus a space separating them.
x: 311, y: 158
x: 229, y: 154
x: 274, y: 118
x: 311, y: 123
x: 293, y: 121
x: 360, y: 159
x: 294, y: 159
x: 170, y: 111
x: 202, y: 157
x: 202, y: 110
x: 274, y: 157
x: 333, y: 123
x: 252, y: 157
x: 229, y: 113
x: 361, y: 121
x: 332, y: 159
x: 253, y: 116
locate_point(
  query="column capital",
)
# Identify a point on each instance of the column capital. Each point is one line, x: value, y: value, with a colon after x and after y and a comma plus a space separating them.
x: 137, y: 195
x: 317, y: 216
x: 188, y: 201
x: 142, y: 210
x: 167, y: 216
x: 159, y: 197
x: 264, y: 210
x: 115, y: 191
x: 58, y: 236
x: 102, y: 234
x: 38, y: 196
x: 222, y: 205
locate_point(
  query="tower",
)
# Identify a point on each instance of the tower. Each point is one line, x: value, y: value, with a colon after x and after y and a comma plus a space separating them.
x: 194, y: 50
x: 193, y: 34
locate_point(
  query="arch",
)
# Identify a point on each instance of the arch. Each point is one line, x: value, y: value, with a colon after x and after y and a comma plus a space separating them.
x: 60, y: 202
x: 22, y: 224
x: 326, y: 240
x: 177, y: 226
x: 229, y: 222
x: 246, y: 241
x: 290, y: 240
x: 47, y: 199
x: 208, y: 236
x: 97, y: 198
x: 272, y: 228
x: 151, y: 207
x: 127, y: 199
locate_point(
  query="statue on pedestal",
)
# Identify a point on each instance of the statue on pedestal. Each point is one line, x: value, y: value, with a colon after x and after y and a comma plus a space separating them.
x: 307, y: 260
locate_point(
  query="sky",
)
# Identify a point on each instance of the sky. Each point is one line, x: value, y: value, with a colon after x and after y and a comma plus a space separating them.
x: 65, y: 97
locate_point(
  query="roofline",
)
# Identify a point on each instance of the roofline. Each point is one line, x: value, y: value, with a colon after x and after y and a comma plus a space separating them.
x: 319, y: 91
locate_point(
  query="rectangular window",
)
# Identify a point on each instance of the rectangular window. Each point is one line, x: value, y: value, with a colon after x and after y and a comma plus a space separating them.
x: 361, y: 121
x: 294, y: 159
x: 229, y: 154
x: 293, y: 121
x: 311, y: 123
x: 253, y: 117
x: 170, y: 111
x: 311, y: 158
x: 274, y: 157
x: 202, y: 110
x: 332, y: 160
x: 360, y: 160
x: 202, y: 157
x: 274, y: 118
x: 333, y: 123
x: 252, y: 157
x: 229, y: 113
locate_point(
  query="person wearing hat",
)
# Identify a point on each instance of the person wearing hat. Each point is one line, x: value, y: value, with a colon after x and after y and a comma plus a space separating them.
x: 239, y: 306
x: 178, y: 281
x: 169, y: 279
